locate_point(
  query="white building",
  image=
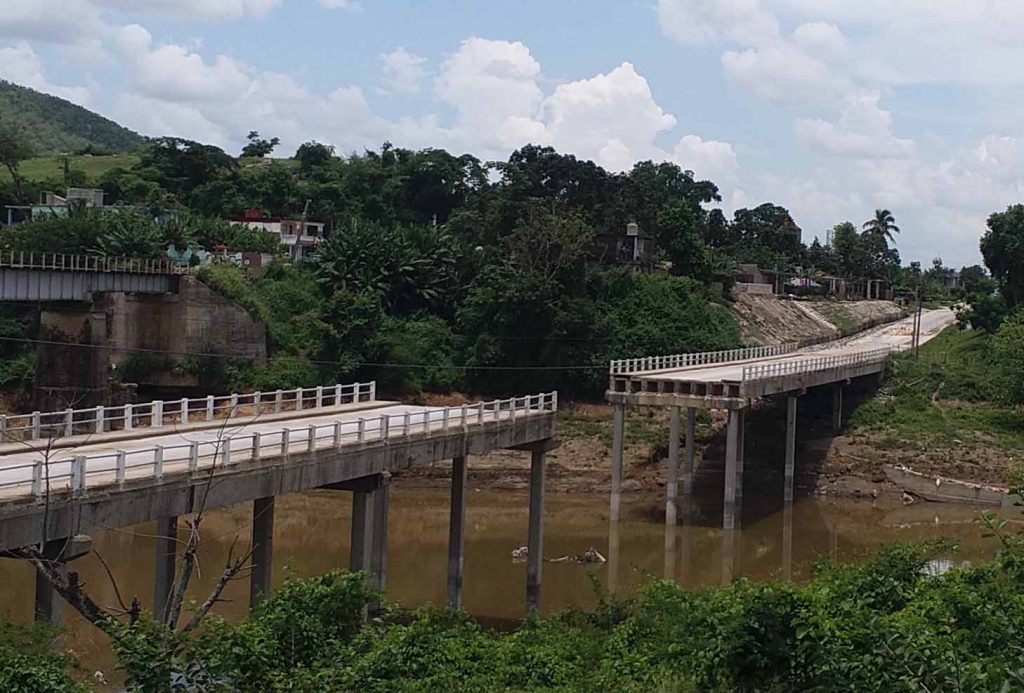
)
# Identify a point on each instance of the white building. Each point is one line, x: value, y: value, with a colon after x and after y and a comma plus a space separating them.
x: 300, y: 236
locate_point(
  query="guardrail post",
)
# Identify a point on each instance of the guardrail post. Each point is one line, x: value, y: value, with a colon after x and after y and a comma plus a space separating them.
x: 361, y: 430
x: 312, y: 438
x: 480, y: 413
x: 257, y: 441
x: 157, y: 415
x: 285, y: 442
x: 78, y: 475
x: 3, y: 428
x: 337, y: 394
x: 337, y: 434
x: 209, y: 408
x: 385, y: 424
x: 226, y: 451
x: 319, y: 396
x: 405, y: 423
x: 121, y: 468
x: 184, y: 410
x: 36, y: 425
x: 158, y: 462
x: 373, y: 391
x: 257, y: 402
x: 278, y: 397
x: 232, y: 404
x: 444, y: 418
x: 193, y: 457
x: 465, y: 417
x: 100, y: 423
x: 37, y: 479
x: 129, y: 417
x: 69, y: 422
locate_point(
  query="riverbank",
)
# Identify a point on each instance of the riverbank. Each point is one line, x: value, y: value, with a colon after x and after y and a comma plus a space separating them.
x: 934, y: 413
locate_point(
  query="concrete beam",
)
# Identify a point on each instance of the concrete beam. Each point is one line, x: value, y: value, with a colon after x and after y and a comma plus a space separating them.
x: 262, y: 549
x: 672, y: 483
x: 618, y: 443
x: 457, y: 532
x: 790, y: 447
x: 166, y: 554
x: 535, y: 532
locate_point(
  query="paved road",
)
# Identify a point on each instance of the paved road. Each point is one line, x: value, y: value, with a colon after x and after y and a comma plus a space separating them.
x: 897, y: 335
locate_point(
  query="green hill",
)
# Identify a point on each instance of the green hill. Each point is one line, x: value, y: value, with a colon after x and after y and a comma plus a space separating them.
x: 52, y: 125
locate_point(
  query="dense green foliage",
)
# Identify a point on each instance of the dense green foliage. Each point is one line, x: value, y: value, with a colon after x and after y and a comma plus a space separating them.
x: 891, y: 623
x: 52, y: 125
x: 30, y: 664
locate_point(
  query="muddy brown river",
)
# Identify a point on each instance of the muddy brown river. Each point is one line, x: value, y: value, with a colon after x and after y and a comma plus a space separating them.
x: 312, y: 536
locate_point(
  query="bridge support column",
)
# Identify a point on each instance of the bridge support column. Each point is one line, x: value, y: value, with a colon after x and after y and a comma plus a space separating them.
x: 741, y: 456
x: 732, y: 440
x: 49, y: 605
x: 68, y: 375
x: 837, y: 407
x: 790, y: 447
x: 787, y: 541
x: 618, y: 442
x: 672, y: 483
x: 535, y: 532
x: 362, y: 527
x: 691, y: 416
x: 456, y: 532
x: 379, y: 544
x: 166, y: 551
x: 262, y: 549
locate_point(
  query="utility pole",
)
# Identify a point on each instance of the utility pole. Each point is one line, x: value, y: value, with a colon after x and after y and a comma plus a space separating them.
x: 917, y: 326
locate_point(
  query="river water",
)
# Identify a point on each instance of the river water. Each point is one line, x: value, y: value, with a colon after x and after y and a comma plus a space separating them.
x: 312, y: 537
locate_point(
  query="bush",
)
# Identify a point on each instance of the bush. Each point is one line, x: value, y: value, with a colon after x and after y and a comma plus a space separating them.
x: 1008, y: 358
x: 426, y: 344
x: 29, y: 663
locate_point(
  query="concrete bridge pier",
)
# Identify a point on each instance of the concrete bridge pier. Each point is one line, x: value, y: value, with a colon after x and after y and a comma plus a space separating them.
x: 166, y: 553
x: 370, y: 500
x: 837, y: 407
x: 672, y: 483
x: 48, y: 604
x: 790, y: 448
x: 691, y: 420
x: 262, y: 549
x: 456, y: 532
x: 535, y: 531
x: 618, y: 443
x: 733, y: 469
x: 73, y: 359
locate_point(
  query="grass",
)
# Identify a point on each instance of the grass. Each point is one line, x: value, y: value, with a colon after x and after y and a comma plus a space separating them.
x: 942, y: 399
x: 644, y: 425
x: 42, y: 168
x: 837, y: 314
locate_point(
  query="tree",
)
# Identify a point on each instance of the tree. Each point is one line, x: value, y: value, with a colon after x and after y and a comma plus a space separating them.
x: 259, y: 147
x: 313, y: 154
x: 1002, y: 247
x: 13, y: 150
x: 883, y: 225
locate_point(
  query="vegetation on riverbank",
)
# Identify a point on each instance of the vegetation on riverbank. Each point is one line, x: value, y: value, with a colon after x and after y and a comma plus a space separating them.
x: 955, y: 410
x: 890, y: 623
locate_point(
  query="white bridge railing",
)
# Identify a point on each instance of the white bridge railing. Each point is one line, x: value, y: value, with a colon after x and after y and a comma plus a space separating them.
x: 63, y: 262
x: 810, y: 365
x: 70, y: 422
x: 661, y: 363
x: 77, y: 473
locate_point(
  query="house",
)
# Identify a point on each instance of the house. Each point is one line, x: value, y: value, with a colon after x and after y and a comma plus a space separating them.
x: 751, y: 279
x: 299, y: 236
x: 633, y: 247
x: 52, y: 204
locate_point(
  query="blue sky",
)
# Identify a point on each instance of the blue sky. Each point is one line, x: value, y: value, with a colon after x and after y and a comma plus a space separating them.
x: 830, y: 108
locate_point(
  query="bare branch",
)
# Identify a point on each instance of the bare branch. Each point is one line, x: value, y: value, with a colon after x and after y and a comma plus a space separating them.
x: 230, y: 572
x: 71, y: 589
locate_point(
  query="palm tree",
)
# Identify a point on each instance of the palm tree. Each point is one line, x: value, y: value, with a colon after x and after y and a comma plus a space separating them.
x: 883, y: 225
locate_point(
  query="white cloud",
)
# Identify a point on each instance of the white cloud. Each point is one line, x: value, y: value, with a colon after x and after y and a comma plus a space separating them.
x: 783, y: 72
x: 864, y: 130
x: 709, y: 21
x: 710, y: 159
x: 403, y: 71
x: 611, y: 118
x: 493, y: 87
x: 71, y: 23
x: 193, y: 9
x: 20, y: 64
x: 338, y: 4
x: 171, y: 71
x: 821, y: 39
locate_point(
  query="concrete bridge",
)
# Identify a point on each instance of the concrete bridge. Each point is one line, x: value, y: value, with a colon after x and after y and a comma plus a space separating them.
x: 732, y: 381
x: 66, y: 474
x: 51, y: 277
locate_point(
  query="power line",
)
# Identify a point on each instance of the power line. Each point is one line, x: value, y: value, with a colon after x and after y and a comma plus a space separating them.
x: 198, y: 354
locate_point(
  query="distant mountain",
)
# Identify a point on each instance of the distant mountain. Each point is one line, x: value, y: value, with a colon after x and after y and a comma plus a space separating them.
x: 55, y: 126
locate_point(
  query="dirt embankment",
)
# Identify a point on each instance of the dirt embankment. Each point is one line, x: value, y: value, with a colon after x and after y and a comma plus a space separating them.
x: 767, y: 320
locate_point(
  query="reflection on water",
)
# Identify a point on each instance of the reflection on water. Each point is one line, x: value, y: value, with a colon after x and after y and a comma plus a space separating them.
x: 312, y: 535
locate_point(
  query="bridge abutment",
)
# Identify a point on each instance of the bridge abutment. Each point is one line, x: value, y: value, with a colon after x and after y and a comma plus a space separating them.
x: 73, y: 358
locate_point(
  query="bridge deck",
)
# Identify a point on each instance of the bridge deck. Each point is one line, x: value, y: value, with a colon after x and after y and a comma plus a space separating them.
x: 727, y: 385
x: 109, y: 481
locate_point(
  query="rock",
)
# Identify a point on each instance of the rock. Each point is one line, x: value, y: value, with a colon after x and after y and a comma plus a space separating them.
x: 631, y: 486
